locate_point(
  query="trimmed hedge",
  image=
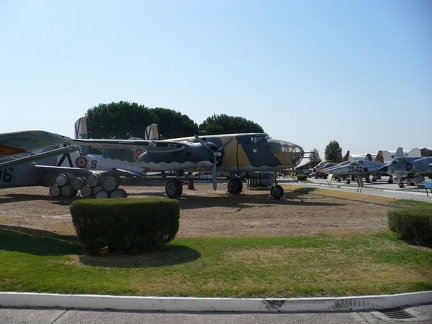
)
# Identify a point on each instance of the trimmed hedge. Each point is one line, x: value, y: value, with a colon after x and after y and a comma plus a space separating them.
x: 412, y: 224
x: 125, y: 225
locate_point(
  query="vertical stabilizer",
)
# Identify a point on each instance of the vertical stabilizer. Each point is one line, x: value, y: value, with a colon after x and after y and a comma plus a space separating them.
x: 347, y: 156
x: 151, y: 132
x: 81, y: 132
x: 415, y: 152
x: 379, y: 157
x: 399, y: 152
x: 383, y: 156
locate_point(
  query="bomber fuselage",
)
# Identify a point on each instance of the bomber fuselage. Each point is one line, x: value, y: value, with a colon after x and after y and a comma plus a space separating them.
x: 239, y: 153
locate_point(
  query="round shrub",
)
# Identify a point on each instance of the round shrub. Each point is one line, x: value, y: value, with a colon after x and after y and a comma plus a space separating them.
x: 124, y: 225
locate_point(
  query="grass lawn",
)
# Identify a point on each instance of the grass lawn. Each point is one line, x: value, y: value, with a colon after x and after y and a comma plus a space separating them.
x: 37, y: 261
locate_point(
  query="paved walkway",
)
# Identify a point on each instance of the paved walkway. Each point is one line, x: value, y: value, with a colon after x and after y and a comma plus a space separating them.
x: 378, y: 188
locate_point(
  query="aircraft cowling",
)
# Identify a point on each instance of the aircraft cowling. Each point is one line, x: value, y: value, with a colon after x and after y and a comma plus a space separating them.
x: 194, y: 157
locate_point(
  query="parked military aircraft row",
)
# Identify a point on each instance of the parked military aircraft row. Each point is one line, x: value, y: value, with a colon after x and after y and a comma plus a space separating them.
x: 66, y: 165
x: 411, y: 166
x: 30, y: 158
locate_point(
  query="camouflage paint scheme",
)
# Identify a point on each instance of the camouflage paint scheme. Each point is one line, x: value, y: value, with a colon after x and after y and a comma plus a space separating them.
x: 240, y: 153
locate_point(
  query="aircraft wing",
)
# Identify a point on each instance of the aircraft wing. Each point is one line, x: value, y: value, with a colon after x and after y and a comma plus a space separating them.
x: 23, y: 159
x: 156, y: 146
x: 28, y: 141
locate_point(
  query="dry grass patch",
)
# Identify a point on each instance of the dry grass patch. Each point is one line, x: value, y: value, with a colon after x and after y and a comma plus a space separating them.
x: 343, y: 194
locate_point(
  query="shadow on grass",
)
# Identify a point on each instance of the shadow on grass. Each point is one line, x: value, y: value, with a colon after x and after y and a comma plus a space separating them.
x: 164, y: 256
x: 37, y: 242
x: 44, y: 243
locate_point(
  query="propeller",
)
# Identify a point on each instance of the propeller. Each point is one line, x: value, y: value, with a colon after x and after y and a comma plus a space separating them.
x: 216, y: 154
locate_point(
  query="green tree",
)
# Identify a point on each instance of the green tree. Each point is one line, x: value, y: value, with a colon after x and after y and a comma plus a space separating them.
x: 172, y: 124
x: 314, y: 158
x: 333, y: 152
x: 223, y: 124
x: 119, y: 120
x: 124, y: 119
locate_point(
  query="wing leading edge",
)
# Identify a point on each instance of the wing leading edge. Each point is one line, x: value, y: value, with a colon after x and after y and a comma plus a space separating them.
x: 148, y: 145
x: 28, y: 141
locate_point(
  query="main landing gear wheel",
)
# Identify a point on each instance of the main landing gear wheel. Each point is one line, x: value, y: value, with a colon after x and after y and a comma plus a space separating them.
x: 235, y: 186
x: 277, y: 192
x: 174, y: 188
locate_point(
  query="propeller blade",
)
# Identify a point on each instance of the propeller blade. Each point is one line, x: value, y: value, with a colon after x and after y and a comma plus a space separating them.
x: 226, y: 143
x: 203, y: 143
x: 214, y: 175
x: 216, y: 154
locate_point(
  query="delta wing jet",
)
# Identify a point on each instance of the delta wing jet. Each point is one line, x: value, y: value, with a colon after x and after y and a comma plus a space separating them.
x: 233, y: 153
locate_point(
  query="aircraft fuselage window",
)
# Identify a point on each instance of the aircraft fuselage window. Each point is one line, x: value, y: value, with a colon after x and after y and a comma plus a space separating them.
x: 257, y: 139
x: 277, y: 148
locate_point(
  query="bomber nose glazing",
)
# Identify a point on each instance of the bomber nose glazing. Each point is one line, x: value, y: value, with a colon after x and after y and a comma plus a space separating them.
x: 289, y: 154
x: 297, y: 154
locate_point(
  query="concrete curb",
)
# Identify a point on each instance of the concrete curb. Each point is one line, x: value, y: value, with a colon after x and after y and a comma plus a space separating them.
x: 192, y: 304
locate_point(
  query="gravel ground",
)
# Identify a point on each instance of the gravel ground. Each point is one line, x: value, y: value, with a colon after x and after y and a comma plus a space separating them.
x: 208, y: 213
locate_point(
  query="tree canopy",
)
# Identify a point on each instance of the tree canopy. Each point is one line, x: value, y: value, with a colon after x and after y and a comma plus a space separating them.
x: 223, y: 124
x: 174, y: 124
x: 314, y: 157
x: 124, y: 119
x: 333, y: 152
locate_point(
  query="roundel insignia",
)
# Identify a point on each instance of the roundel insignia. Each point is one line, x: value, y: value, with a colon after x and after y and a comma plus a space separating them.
x: 81, y: 162
x: 137, y: 154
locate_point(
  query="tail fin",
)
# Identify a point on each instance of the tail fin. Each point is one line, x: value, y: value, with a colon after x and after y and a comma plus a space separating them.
x: 415, y: 152
x: 81, y: 132
x: 426, y: 152
x: 346, y: 157
x: 151, y: 132
x: 379, y: 157
x: 399, y: 152
x: 383, y: 156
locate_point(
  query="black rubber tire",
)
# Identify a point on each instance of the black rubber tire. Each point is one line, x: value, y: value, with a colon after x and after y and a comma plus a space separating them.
x: 235, y: 186
x: 174, y: 188
x: 277, y: 192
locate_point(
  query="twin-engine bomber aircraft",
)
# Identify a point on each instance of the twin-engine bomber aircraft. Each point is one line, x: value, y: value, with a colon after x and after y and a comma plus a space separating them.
x: 234, y: 153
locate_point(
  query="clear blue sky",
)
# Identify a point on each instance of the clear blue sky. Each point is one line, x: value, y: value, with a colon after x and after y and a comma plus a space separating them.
x: 358, y: 72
